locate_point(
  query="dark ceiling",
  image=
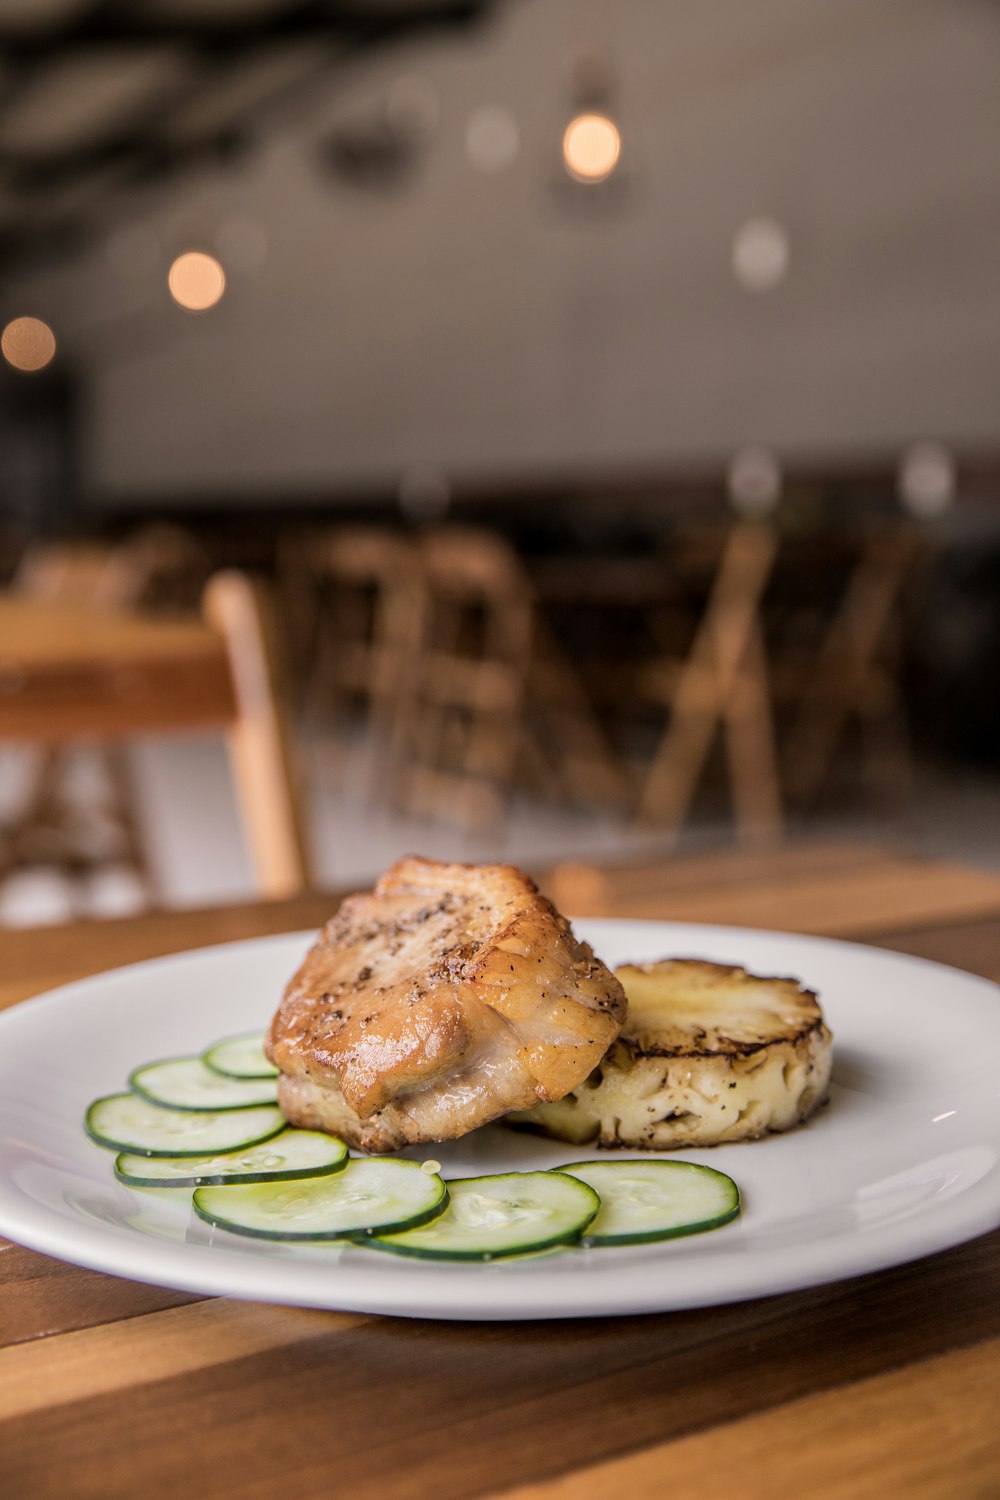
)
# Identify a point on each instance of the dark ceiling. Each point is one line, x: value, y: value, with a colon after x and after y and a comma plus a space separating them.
x: 99, y: 95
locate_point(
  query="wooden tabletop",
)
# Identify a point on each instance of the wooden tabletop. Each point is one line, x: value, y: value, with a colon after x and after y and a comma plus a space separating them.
x: 68, y: 670
x: 884, y: 1386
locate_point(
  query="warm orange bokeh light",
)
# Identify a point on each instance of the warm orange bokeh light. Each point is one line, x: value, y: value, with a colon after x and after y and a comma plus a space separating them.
x: 28, y: 344
x: 196, y: 280
x: 591, y: 147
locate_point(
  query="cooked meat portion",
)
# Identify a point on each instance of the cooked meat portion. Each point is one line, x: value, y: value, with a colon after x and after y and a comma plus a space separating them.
x: 440, y: 1000
x: 708, y: 1053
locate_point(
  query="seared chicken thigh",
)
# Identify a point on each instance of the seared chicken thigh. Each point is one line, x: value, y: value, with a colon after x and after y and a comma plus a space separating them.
x: 442, y: 999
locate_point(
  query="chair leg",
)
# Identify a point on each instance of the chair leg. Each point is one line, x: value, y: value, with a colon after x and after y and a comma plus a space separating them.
x: 676, y: 770
x: 51, y: 829
x: 39, y: 806
x: 750, y: 750
x: 259, y: 747
x: 720, y: 659
x: 591, y: 771
x: 887, y: 750
x: 849, y: 662
x: 125, y: 799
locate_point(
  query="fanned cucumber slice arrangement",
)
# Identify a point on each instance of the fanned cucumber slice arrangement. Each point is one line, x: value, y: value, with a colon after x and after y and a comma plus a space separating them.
x: 511, y: 1213
x: 211, y: 1123
x: 369, y: 1196
x: 240, y: 1057
x: 126, y: 1122
x: 187, y: 1083
x: 284, y: 1158
x: 644, y: 1200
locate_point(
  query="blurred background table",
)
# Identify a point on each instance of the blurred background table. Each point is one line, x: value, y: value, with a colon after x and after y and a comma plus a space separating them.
x: 883, y: 1385
x: 73, y: 672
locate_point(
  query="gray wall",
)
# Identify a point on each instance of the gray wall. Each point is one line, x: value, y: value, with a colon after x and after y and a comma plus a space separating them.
x: 468, y: 322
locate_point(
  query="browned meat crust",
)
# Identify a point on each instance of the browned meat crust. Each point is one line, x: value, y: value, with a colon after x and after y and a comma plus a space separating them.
x: 442, y: 999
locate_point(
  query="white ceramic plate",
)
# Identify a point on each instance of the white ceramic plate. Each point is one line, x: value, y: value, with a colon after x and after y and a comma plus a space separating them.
x: 902, y: 1162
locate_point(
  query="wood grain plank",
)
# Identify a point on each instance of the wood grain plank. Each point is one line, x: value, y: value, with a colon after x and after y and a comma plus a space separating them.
x: 260, y: 1400
x: 729, y: 865
x: 40, y: 958
x: 114, y: 1359
x: 46, y: 635
x: 40, y: 1296
x: 415, y: 1410
x: 846, y: 896
x: 929, y: 1433
x: 859, y: 901
x: 971, y: 945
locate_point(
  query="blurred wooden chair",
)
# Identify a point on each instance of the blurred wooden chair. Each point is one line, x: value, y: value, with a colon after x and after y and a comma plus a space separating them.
x: 157, y: 568
x: 458, y: 724
x: 360, y: 628
x: 490, y: 695
x: 78, y: 673
x: 719, y: 686
x: 854, y: 676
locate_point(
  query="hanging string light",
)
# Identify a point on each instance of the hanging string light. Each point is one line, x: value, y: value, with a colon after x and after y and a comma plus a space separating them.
x: 591, y: 161
x: 592, y: 145
x: 28, y: 344
x: 196, y: 281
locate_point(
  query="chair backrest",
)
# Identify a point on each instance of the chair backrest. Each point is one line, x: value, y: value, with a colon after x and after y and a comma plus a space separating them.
x: 156, y: 565
x: 474, y: 570
x: 73, y: 573
x: 387, y: 566
x: 364, y: 618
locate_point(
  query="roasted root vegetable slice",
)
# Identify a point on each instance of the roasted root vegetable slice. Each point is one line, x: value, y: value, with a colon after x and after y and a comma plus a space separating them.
x: 708, y: 1053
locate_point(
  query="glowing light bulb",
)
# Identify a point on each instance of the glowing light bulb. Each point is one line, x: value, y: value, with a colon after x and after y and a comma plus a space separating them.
x: 196, y: 281
x: 28, y: 344
x: 591, y: 147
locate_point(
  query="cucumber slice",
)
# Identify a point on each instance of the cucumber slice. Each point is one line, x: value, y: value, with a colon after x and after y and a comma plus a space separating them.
x: 645, y: 1200
x: 186, y: 1083
x: 285, y: 1157
x: 369, y: 1195
x: 510, y: 1213
x: 125, y: 1122
x: 240, y: 1057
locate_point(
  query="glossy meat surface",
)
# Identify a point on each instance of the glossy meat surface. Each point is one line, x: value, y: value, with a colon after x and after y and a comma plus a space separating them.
x: 442, y: 999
